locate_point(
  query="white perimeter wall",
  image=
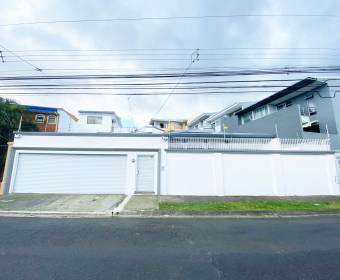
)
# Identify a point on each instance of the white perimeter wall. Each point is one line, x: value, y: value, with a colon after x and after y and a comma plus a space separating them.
x: 257, y: 174
x: 88, y: 141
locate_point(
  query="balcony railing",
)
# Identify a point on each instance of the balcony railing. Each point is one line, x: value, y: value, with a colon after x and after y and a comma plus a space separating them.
x: 248, y: 144
x: 307, y: 111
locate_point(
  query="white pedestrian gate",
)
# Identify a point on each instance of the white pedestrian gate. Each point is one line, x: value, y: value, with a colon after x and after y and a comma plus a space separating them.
x: 145, y: 173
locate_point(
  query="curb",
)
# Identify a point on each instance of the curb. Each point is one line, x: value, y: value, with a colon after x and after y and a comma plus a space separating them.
x: 56, y: 214
x: 250, y: 214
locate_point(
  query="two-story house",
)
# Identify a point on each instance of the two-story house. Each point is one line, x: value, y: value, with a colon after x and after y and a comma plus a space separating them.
x: 225, y: 119
x: 200, y: 122
x: 47, y: 119
x: 309, y: 108
x: 98, y: 121
x: 168, y: 125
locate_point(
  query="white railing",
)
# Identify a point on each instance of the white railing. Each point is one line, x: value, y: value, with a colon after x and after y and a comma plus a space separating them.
x: 248, y: 144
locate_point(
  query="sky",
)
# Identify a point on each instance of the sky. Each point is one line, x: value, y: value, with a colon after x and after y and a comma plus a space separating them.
x: 35, y: 42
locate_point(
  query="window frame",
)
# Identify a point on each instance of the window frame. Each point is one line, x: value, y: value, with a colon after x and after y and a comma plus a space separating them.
x: 37, y: 116
x: 95, y: 118
x: 55, y: 119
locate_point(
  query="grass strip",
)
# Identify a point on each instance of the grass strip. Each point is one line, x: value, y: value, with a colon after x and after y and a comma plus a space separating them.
x: 258, y: 205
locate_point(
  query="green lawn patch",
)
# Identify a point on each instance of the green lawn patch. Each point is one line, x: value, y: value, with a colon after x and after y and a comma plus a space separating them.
x: 256, y: 205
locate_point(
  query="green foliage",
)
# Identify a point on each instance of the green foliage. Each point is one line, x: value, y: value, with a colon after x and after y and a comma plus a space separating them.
x: 10, y: 113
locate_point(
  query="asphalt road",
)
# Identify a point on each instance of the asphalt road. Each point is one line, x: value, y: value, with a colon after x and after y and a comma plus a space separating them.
x: 126, y: 248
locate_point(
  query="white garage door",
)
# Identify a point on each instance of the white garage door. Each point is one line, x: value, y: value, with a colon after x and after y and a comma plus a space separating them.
x: 71, y: 173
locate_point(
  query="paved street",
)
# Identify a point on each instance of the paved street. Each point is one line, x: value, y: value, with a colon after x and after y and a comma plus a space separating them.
x: 126, y: 248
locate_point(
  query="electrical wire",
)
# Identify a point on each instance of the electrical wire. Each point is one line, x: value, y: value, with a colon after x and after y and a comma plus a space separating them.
x: 192, y: 74
x: 171, y: 18
x: 21, y: 59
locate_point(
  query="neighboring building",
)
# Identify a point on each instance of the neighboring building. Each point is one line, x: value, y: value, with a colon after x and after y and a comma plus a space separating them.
x: 169, y: 124
x: 200, y: 122
x: 307, y: 108
x: 225, y: 119
x: 47, y: 119
x: 98, y: 121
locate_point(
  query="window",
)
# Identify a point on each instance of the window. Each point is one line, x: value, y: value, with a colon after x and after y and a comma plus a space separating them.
x: 260, y: 112
x: 311, y: 107
x: 94, y: 119
x: 161, y: 125
x: 247, y: 117
x: 51, y: 119
x: 284, y: 105
x: 177, y: 125
x: 39, y: 118
x: 309, y: 96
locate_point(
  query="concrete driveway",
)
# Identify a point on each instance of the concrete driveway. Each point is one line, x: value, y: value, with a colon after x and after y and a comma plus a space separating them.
x: 82, y: 204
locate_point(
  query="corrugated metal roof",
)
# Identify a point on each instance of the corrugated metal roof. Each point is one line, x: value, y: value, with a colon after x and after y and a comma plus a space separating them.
x: 41, y: 109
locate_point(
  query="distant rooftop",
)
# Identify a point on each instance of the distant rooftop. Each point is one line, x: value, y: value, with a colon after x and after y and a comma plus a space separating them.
x: 228, y: 110
x: 97, y: 112
x: 41, y: 109
x: 296, y: 89
x: 44, y: 109
x: 167, y: 120
x: 199, y: 118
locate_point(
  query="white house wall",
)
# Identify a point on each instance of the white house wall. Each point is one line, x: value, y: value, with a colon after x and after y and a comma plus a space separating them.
x: 49, y: 172
x: 88, y: 141
x: 257, y: 174
x: 48, y: 147
x: 197, y: 173
x: 248, y: 174
x: 65, y: 122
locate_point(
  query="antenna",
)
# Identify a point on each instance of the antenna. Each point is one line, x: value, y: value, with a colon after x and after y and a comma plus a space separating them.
x: 2, y: 57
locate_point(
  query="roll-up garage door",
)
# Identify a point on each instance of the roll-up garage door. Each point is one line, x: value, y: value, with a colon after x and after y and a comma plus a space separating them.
x: 70, y: 173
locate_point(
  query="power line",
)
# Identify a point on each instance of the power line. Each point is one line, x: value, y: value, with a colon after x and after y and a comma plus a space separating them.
x: 180, y: 54
x: 140, y: 94
x: 194, y: 58
x: 22, y: 59
x: 172, y: 18
x: 179, y: 49
x: 192, y: 74
x: 156, y: 83
x: 178, y: 59
x: 143, y: 88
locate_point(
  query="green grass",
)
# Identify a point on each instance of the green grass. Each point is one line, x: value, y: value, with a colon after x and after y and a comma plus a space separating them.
x: 256, y: 205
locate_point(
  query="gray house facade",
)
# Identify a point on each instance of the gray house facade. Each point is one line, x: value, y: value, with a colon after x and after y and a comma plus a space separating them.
x: 225, y: 120
x: 309, y: 108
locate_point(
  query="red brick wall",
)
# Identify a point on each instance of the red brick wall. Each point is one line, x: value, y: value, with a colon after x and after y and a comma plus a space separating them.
x: 42, y: 127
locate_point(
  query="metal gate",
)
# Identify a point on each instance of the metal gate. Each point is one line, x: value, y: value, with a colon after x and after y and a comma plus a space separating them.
x: 145, y: 173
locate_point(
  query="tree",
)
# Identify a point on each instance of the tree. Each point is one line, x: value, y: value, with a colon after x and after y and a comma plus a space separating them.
x: 10, y: 114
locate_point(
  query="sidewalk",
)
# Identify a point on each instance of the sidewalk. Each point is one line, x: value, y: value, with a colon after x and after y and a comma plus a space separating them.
x: 85, y: 205
x: 147, y: 205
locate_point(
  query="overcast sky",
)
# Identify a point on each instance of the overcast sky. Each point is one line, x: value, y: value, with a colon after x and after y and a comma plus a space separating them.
x: 243, y: 32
